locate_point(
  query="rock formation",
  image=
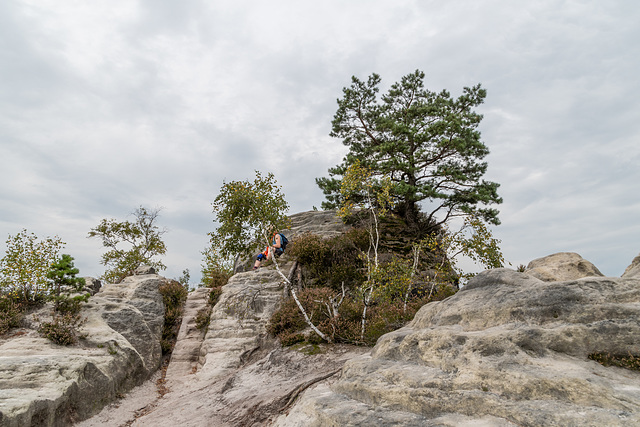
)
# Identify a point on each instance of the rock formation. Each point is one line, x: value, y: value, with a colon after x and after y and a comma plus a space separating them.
x: 634, y: 268
x: 235, y: 374
x: 44, y: 384
x: 507, y: 350
x: 562, y: 266
x: 510, y: 349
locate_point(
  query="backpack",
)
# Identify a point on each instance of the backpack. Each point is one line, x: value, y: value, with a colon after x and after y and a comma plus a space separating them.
x: 283, y: 241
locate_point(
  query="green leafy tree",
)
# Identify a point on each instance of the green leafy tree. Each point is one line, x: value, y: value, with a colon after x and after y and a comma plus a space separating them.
x: 216, y: 269
x: 474, y: 241
x: 64, y: 280
x: 142, y: 240
x: 27, y: 261
x: 427, y: 143
x: 248, y: 213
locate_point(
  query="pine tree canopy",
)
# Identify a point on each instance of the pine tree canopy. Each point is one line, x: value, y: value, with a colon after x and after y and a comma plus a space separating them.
x: 427, y: 143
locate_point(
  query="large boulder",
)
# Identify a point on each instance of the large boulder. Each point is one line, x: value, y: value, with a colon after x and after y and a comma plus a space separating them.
x: 45, y: 384
x: 507, y: 350
x: 562, y: 266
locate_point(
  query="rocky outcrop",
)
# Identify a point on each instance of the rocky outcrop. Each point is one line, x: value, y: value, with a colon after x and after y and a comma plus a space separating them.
x: 507, y: 350
x: 562, y: 266
x: 44, y: 384
x: 235, y: 374
x: 634, y: 268
x: 240, y: 376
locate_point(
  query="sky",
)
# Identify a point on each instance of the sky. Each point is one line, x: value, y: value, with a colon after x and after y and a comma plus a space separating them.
x: 108, y: 105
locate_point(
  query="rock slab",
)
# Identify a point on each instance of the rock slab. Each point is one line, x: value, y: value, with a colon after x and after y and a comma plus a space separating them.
x: 507, y: 350
x: 44, y: 384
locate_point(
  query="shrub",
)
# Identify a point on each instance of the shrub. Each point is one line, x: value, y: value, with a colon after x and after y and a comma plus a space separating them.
x: 331, y: 262
x: 174, y: 296
x: 383, y: 316
x: 629, y: 361
x: 10, y: 313
x: 203, y: 318
x: 72, y: 305
x: 142, y: 236
x: 62, y: 330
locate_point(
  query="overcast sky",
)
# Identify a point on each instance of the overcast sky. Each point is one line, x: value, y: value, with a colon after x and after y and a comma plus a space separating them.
x: 106, y: 105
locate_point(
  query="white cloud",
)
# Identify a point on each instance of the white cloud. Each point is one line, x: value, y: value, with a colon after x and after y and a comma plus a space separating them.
x: 107, y: 105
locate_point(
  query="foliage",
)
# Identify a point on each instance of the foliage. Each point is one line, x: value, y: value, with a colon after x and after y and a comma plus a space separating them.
x: 334, y: 261
x: 248, y: 213
x: 10, y: 312
x: 64, y: 282
x: 184, y: 279
x: 216, y: 269
x: 359, y: 189
x: 66, y: 304
x: 203, y: 318
x: 24, y: 268
x: 142, y: 236
x: 174, y: 295
x: 427, y: 143
x: 630, y: 361
x: 62, y: 330
x: 287, y: 323
x: 473, y: 240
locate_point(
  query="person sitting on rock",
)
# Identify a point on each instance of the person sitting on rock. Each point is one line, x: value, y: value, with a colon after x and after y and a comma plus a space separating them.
x: 279, y: 243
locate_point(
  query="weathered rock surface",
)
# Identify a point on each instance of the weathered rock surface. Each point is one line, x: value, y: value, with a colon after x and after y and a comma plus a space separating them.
x: 322, y: 223
x: 243, y: 377
x: 235, y: 374
x: 186, y: 353
x: 507, y: 350
x: 43, y: 384
x: 634, y: 268
x: 562, y: 266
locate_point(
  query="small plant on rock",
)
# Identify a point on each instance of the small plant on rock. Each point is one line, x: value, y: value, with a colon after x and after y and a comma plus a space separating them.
x: 62, y: 329
x: 64, y: 283
x: 174, y: 296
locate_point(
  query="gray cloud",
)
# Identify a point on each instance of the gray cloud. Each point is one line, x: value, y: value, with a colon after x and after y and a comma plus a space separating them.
x: 106, y: 105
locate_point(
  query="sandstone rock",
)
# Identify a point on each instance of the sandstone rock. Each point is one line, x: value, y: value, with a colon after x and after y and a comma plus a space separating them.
x: 507, y: 350
x: 322, y: 223
x: 144, y: 269
x: 186, y: 353
x: 92, y: 285
x: 562, y: 266
x: 634, y: 268
x: 242, y: 376
x: 44, y: 384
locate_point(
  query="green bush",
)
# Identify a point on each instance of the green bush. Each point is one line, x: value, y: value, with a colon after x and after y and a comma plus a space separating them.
x: 331, y: 262
x: 24, y: 268
x: 65, y: 304
x: 62, y: 330
x: 11, y: 312
x: 174, y: 296
x: 383, y: 316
